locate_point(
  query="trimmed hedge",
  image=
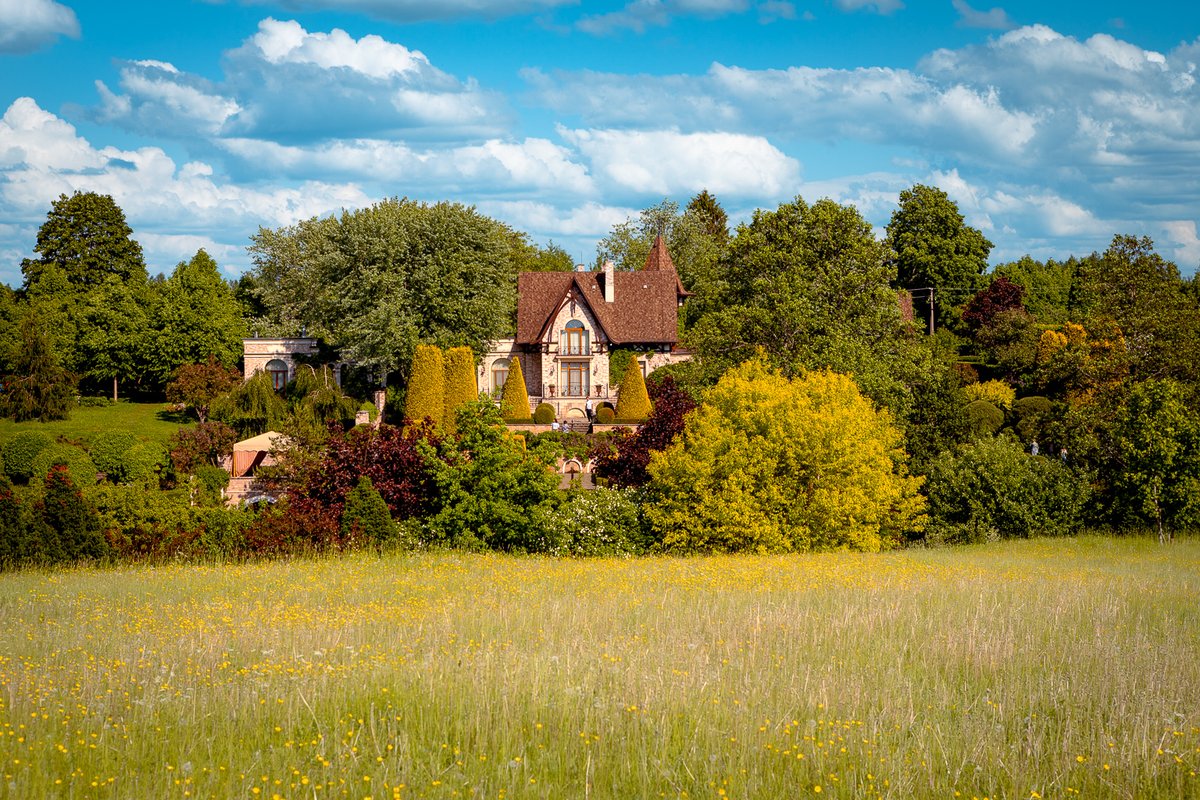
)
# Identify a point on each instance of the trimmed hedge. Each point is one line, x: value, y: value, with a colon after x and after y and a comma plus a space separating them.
x: 633, y: 403
x: 108, y: 452
x: 543, y: 414
x: 80, y: 467
x: 426, y: 396
x: 461, y: 386
x: 605, y: 415
x: 514, y: 405
x: 20, y: 451
x: 984, y: 418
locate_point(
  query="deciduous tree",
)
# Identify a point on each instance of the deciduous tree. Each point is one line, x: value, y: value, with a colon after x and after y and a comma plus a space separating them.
x: 198, y: 385
x: 769, y: 464
x: 935, y: 247
x: 377, y: 281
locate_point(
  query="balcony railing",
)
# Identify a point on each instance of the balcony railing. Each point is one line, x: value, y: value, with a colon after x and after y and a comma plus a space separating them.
x: 574, y: 349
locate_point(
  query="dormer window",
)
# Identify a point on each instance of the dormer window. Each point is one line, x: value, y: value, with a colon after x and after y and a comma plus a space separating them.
x: 574, y: 340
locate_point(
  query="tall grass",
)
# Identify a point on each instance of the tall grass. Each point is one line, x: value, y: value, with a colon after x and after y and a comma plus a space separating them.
x: 1048, y: 668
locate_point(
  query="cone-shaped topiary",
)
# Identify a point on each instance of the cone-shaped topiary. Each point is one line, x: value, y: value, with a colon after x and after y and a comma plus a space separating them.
x: 461, y: 387
x: 633, y: 403
x: 426, y: 386
x: 366, y: 515
x: 514, y: 405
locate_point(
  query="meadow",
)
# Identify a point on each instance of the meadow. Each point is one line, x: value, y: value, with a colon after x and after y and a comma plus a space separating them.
x: 1025, y: 669
x: 147, y: 421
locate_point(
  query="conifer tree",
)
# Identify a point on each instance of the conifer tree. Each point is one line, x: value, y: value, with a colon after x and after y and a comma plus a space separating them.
x: 514, y: 405
x: 70, y: 527
x: 633, y: 403
x: 39, y: 387
x: 461, y: 386
x: 366, y: 515
x: 426, y: 386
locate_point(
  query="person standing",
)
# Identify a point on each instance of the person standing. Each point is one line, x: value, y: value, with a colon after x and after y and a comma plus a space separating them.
x: 588, y: 405
x: 1033, y: 448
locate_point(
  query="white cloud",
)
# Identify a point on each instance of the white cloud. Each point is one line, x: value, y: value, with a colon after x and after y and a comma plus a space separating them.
x: 494, y: 167
x: 288, y: 83
x: 28, y: 25
x: 286, y: 42
x: 993, y: 19
x: 866, y: 104
x: 666, y: 162
x: 158, y: 98
x: 1186, y: 245
x: 41, y: 156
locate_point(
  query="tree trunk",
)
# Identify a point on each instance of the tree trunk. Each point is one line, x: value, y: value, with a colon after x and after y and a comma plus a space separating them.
x: 114, y: 388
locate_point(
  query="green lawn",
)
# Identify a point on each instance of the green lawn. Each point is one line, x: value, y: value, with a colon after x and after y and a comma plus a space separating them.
x: 1050, y: 668
x: 149, y: 421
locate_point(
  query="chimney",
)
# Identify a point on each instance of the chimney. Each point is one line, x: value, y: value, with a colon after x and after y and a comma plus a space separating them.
x: 610, y: 293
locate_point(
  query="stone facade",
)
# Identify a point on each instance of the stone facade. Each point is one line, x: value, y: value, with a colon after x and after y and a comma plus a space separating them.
x: 275, y: 355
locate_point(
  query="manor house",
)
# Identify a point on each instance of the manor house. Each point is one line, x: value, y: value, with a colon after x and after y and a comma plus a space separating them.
x: 570, y: 323
x: 568, y: 326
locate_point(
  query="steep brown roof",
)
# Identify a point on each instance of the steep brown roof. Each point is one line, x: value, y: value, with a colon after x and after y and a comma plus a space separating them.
x: 644, y: 308
x: 659, y: 260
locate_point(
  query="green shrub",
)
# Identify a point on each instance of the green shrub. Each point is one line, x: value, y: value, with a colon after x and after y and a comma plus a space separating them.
x: 14, y: 526
x: 78, y: 464
x: 514, y: 405
x: 998, y: 393
x: 221, y: 532
x: 633, y: 402
x: 366, y: 518
x: 143, y: 461
x: 20, y: 451
x: 605, y: 415
x: 212, y: 480
x: 598, y: 522
x: 992, y: 489
x: 1030, y: 412
x: 426, y: 395
x: 984, y: 418
x: 94, y: 402
x: 108, y: 453
x: 144, y: 524
x: 369, y: 407
x: 543, y: 414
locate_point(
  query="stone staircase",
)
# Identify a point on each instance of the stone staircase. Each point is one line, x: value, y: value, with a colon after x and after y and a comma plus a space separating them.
x: 577, y: 426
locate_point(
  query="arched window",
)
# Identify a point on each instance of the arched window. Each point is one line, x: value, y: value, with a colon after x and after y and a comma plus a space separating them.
x: 574, y: 341
x: 499, y: 375
x: 278, y: 370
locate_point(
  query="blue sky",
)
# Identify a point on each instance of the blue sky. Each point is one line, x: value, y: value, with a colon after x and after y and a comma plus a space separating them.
x: 1054, y: 126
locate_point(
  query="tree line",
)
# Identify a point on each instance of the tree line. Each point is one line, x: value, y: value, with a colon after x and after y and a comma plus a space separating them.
x: 1032, y: 398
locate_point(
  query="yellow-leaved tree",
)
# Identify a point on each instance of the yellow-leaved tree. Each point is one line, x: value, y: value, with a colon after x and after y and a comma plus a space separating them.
x: 772, y: 465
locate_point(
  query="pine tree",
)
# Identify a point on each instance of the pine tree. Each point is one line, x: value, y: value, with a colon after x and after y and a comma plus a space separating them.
x: 39, y: 387
x: 461, y: 386
x: 426, y: 386
x: 366, y: 515
x: 711, y: 216
x: 633, y: 403
x: 514, y: 405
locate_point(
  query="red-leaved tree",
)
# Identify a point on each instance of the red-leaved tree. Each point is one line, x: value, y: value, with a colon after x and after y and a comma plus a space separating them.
x: 623, y: 461
x: 1002, y: 295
